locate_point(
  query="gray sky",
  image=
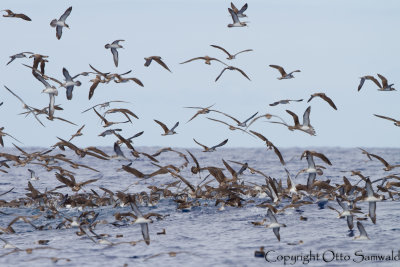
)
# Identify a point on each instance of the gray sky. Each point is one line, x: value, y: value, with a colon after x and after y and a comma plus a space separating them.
x: 333, y: 43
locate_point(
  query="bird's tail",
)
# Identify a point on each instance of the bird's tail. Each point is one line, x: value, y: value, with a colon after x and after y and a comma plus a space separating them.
x: 53, y: 23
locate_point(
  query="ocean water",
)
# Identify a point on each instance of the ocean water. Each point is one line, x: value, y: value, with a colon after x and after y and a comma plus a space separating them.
x: 204, y: 236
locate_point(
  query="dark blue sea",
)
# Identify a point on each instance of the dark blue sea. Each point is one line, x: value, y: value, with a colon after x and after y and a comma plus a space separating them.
x: 205, y: 235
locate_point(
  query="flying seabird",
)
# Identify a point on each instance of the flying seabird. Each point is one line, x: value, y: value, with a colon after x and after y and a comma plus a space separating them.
x: 51, y: 90
x: 371, y: 199
x: 211, y: 149
x: 38, y: 59
x: 305, y: 127
x: 240, y: 12
x: 25, y: 106
x: 267, y: 116
x: 291, y: 185
x: 105, y: 104
x: 95, y: 82
x: 59, y: 24
x: 34, y: 177
x: 236, y: 21
x: 232, y: 68
x: 363, y: 234
x: 194, y: 169
x: 58, y: 118
x: 396, y: 122
x: 346, y: 213
x: 156, y: 59
x: 106, y: 75
x: 207, y: 60
x: 124, y: 111
x: 8, y: 245
x: 119, y: 155
x: 230, y: 57
x: 117, y: 78
x: 388, y: 167
x: 201, y: 110
x: 19, y: 55
x: 284, y: 101
x: 244, y: 167
x: 231, y: 127
x: 40, y: 72
x: 312, y: 169
x: 11, y: 14
x: 165, y: 128
x: 69, y: 83
x: 70, y: 182
x: 240, y: 124
x: 105, y: 121
x: 120, y: 79
x: 363, y: 151
x: 368, y: 77
x: 6, y: 134
x: 324, y: 97
x: 109, y: 132
x: 78, y: 133
x: 274, y: 224
x: 144, y: 222
x: 141, y: 175
x: 384, y: 87
x: 114, y: 46
x: 270, y: 145
x: 128, y: 141
x: 283, y: 72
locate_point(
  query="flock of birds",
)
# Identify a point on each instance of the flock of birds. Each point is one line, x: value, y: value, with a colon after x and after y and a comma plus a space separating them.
x: 226, y: 190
